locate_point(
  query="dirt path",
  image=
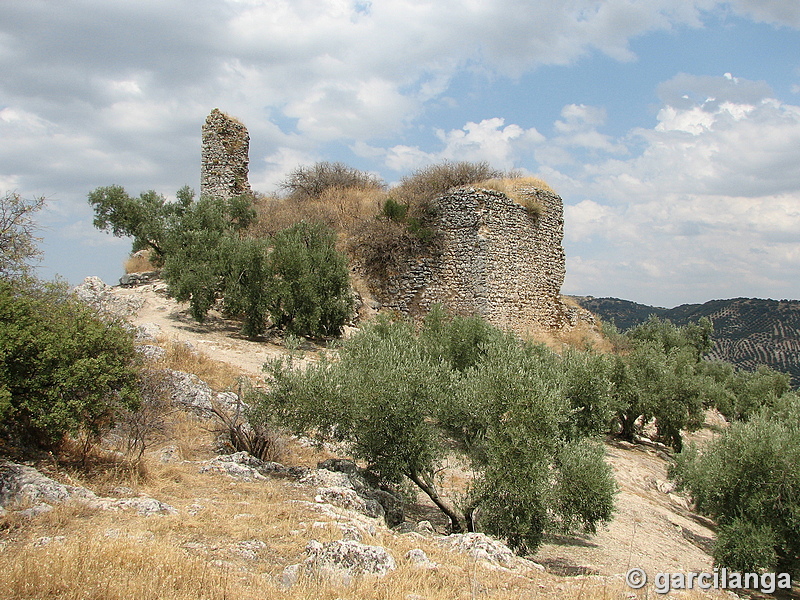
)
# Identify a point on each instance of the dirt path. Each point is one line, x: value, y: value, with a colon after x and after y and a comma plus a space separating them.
x: 217, y: 337
x: 653, y: 528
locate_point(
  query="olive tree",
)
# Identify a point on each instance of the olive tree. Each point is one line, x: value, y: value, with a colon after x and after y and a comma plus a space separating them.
x: 748, y: 480
x: 402, y: 400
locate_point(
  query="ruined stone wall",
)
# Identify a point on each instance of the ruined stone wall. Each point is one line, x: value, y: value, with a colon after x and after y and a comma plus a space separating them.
x: 496, y: 260
x: 225, y: 159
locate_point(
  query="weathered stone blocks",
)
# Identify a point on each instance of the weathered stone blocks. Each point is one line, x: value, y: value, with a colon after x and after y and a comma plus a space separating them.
x: 225, y: 159
x: 496, y: 260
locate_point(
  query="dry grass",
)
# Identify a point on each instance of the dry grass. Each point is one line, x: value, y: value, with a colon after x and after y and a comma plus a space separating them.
x: 341, y: 209
x: 580, y: 337
x: 510, y: 185
x: 139, y: 262
x: 218, y: 374
x: 425, y: 184
x: 521, y: 190
x: 205, y: 555
x: 231, y: 540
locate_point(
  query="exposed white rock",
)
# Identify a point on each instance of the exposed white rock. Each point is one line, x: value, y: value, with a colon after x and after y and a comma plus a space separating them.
x: 348, y: 498
x: 148, y: 332
x: 338, y: 562
x: 241, y: 465
x: 483, y: 547
x: 341, y: 483
x: 151, y: 352
x: 23, y: 486
x: 419, y: 559
x: 97, y: 294
x: 425, y: 528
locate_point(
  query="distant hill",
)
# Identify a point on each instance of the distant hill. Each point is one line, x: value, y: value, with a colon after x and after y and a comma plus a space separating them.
x: 748, y: 331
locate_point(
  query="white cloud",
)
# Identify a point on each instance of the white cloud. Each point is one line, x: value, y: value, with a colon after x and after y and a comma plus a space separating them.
x: 359, y: 110
x: 578, y: 129
x: 780, y: 12
x: 97, y: 92
x: 490, y: 140
x: 273, y: 170
x: 713, y: 201
x: 588, y: 219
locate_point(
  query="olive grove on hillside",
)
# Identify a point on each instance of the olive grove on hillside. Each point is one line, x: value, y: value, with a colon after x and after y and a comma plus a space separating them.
x: 297, y: 278
x: 400, y: 400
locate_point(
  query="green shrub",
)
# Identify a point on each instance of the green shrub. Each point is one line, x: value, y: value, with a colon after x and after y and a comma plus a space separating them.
x: 206, y: 256
x: 309, y: 290
x: 587, y: 381
x: 246, y: 279
x: 519, y: 394
x: 748, y: 479
x: 62, y: 369
x: 394, y: 211
x: 745, y: 547
x: 660, y: 377
x: 401, y: 400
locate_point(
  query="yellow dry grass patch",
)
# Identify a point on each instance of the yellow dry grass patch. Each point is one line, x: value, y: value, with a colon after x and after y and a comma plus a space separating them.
x: 231, y: 540
x: 342, y: 209
x: 520, y: 190
x: 139, y: 262
x: 218, y: 374
x: 510, y: 185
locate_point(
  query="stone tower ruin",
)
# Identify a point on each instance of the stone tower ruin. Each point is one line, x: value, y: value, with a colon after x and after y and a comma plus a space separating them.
x: 225, y: 158
x: 496, y: 260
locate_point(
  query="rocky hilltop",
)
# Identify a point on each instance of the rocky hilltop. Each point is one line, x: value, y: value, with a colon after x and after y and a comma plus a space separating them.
x: 747, y: 331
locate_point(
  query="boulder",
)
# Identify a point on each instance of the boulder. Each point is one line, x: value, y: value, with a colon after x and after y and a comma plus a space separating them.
x: 147, y: 332
x: 419, y: 559
x: 378, y: 502
x: 241, y: 465
x: 136, y: 279
x: 151, y: 352
x: 26, y: 488
x: 21, y: 484
x: 480, y: 546
x: 346, y: 497
x: 97, y: 294
x: 483, y: 547
x: 338, y: 562
x: 191, y: 392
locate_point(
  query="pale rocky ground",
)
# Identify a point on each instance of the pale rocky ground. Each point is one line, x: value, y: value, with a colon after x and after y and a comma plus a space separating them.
x: 217, y: 337
x: 653, y: 528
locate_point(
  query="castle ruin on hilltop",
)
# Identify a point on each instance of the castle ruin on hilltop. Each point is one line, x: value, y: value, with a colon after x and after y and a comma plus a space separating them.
x: 495, y: 259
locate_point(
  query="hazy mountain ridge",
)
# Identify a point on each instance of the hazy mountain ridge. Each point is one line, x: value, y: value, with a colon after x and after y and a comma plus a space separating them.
x: 748, y: 331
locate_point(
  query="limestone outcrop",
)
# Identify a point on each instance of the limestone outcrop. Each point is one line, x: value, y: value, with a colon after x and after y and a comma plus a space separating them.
x: 337, y: 562
x: 25, y: 490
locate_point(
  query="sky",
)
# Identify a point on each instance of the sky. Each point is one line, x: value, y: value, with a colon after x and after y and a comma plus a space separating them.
x: 670, y: 128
